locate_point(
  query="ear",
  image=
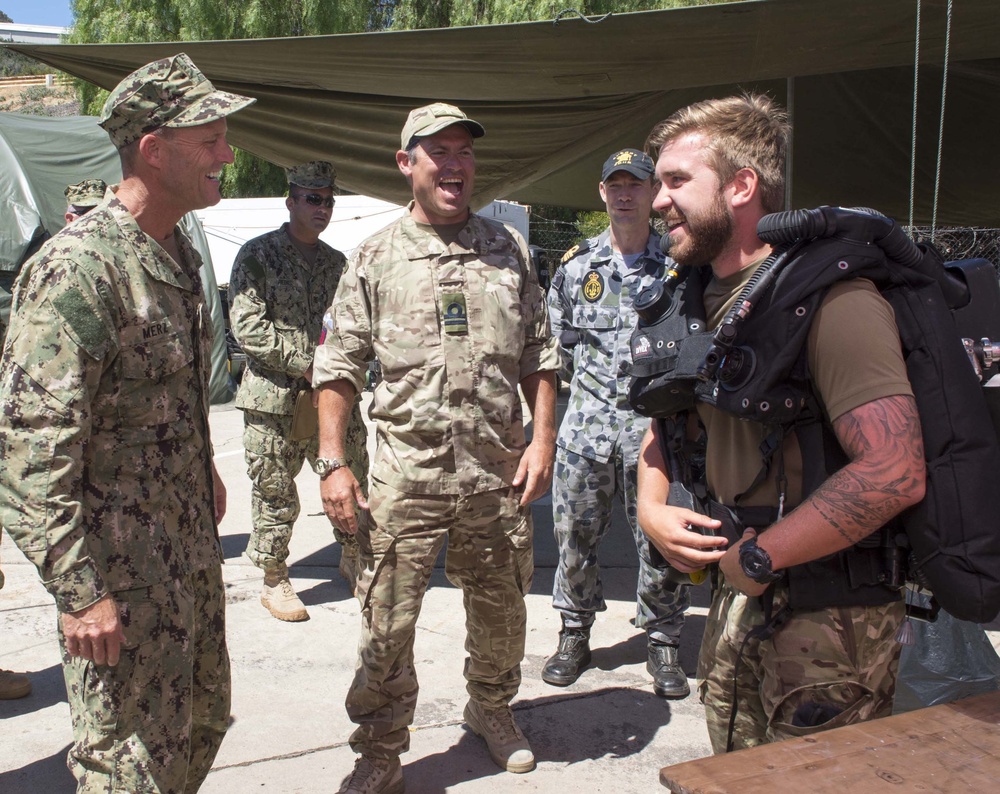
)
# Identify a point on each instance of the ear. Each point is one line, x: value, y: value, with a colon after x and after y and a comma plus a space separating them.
x: 403, y: 161
x: 744, y: 187
x: 151, y: 149
x: 603, y: 192
x: 289, y: 203
x: 69, y: 217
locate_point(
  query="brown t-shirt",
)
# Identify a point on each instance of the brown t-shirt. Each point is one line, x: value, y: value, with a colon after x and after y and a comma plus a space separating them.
x: 854, y: 357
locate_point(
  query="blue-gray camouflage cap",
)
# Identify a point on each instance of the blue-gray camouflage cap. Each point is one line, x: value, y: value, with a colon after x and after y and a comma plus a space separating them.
x: 88, y: 193
x: 317, y: 173
x: 170, y: 92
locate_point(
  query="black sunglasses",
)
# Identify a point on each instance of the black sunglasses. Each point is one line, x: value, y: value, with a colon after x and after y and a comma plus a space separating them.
x: 316, y: 200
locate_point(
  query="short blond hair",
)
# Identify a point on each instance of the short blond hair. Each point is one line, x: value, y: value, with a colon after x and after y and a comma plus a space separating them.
x: 748, y: 131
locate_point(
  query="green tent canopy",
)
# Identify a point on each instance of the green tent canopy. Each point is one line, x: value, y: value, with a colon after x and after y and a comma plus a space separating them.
x: 557, y: 97
x: 39, y: 157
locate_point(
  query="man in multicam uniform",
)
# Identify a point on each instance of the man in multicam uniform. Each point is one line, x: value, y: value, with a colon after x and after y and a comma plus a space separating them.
x: 449, y: 304
x: 282, y: 283
x: 108, y: 485
x: 721, y: 168
x: 590, y: 308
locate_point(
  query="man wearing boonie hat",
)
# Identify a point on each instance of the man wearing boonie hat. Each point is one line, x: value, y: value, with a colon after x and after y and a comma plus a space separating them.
x: 281, y: 285
x: 82, y: 197
x: 591, y: 311
x: 108, y: 484
x: 449, y: 303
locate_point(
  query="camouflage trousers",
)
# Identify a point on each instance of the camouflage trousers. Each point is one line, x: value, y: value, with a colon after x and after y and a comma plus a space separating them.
x: 273, y: 462
x: 489, y: 539
x: 819, y: 670
x: 153, y: 723
x: 583, y: 492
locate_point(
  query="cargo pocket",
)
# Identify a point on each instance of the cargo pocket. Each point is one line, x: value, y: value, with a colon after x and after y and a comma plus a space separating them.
x: 520, y: 533
x: 820, y: 707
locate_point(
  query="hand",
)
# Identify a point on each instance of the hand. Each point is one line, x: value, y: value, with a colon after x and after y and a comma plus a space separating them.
x: 733, y: 571
x: 220, y: 495
x: 669, y: 529
x: 94, y: 632
x: 341, y: 494
x: 534, y: 471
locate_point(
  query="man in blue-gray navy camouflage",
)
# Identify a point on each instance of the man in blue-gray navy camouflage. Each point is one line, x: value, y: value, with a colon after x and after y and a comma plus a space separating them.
x: 590, y: 309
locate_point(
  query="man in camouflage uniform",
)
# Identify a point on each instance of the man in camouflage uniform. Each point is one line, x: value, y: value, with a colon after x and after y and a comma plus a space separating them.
x: 108, y: 485
x: 282, y: 282
x: 82, y: 197
x: 590, y: 308
x: 830, y: 659
x: 450, y: 305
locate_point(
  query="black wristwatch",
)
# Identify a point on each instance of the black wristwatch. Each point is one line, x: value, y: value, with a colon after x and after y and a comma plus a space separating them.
x: 756, y: 563
x: 326, y: 466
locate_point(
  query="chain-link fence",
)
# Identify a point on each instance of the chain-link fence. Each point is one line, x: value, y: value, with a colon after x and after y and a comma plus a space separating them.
x: 964, y: 243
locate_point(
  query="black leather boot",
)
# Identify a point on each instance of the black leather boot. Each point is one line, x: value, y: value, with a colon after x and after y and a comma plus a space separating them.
x: 669, y: 680
x: 573, y: 654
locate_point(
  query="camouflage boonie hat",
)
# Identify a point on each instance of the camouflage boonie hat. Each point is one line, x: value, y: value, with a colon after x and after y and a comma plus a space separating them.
x: 433, y: 118
x: 88, y: 193
x: 632, y: 161
x: 170, y: 92
x: 317, y: 173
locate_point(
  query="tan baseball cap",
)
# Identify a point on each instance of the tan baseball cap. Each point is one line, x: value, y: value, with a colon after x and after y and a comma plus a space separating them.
x: 433, y: 118
x: 170, y: 92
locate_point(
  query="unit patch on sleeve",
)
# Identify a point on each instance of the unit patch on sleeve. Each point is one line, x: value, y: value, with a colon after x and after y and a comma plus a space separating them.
x: 593, y: 286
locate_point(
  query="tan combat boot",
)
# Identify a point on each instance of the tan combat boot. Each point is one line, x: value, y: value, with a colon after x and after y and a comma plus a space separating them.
x: 279, y: 597
x: 374, y: 776
x: 14, y: 685
x: 507, y: 745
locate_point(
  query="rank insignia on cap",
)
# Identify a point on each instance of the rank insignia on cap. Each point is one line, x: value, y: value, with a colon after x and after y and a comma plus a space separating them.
x: 593, y: 286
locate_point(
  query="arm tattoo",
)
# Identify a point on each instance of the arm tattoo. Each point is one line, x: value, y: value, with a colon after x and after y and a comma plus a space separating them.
x: 884, y: 442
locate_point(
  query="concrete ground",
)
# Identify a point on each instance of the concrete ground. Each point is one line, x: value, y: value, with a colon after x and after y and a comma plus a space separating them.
x: 606, y: 733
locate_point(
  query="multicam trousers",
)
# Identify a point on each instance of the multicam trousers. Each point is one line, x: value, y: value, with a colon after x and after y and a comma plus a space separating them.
x: 153, y: 723
x: 273, y: 462
x: 819, y: 670
x: 489, y: 538
x: 583, y: 492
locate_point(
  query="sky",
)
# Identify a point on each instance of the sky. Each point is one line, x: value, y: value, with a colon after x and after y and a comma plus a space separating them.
x: 38, y: 12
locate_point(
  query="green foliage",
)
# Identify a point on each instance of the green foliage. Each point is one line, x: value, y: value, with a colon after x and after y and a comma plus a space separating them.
x: 591, y: 224
x: 249, y: 176
x: 13, y: 63
x: 414, y: 14
x: 5, y: 18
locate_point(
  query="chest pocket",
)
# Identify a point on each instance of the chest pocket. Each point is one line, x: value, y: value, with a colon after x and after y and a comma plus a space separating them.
x: 158, y: 358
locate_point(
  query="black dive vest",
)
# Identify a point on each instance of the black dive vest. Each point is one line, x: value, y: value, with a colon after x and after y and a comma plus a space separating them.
x: 765, y: 378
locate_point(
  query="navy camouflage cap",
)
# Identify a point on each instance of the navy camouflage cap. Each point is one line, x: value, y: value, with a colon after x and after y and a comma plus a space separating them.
x: 88, y: 193
x: 170, y: 92
x: 427, y: 120
x: 637, y: 163
x: 317, y: 173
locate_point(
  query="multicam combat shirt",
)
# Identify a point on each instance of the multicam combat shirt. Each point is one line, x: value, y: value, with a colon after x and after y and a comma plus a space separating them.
x: 107, y: 476
x: 590, y: 308
x: 276, y: 305
x: 456, y: 328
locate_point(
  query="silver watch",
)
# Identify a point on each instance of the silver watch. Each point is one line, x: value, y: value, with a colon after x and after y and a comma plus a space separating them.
x: 326, y: 466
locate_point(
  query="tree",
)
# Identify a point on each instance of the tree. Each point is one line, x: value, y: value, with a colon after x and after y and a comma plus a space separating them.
x: 4, y: 18
x: 118, y: 21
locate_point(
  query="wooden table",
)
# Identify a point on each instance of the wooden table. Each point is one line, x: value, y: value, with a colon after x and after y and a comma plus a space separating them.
x: 954, y: 747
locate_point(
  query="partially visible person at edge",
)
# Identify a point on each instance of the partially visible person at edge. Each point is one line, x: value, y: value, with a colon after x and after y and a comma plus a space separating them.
x: 720, y: 166
x: 108, y: 485
x: 281, y: 284
x: 450, y: 305
x: 597, y: 450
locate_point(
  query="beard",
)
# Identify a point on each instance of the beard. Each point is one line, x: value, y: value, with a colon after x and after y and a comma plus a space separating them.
x: 708, y: 233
